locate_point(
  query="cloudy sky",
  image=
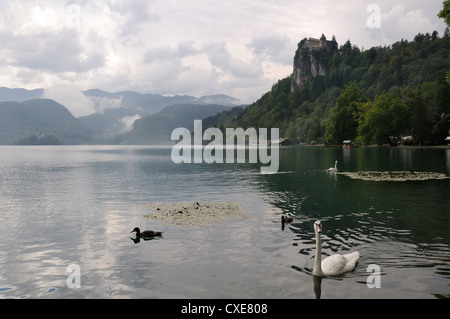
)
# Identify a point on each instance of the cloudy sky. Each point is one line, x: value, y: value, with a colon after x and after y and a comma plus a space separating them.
x: 196, y: 47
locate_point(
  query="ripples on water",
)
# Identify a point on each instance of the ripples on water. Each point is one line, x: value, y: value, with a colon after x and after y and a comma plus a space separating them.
x: 402, y: 227
x: 78, y: 205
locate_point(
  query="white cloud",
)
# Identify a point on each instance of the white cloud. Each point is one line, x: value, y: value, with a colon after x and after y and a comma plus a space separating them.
x: 128, y: 122
x: 194, y: 47
x: 72, y: 98
x: 272, y: 45
x: 101, y: 104
x: 398, y: 22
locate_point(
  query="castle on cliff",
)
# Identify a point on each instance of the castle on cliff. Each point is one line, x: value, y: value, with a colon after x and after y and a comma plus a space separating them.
x: 307, y: 64
x: 317, y: 44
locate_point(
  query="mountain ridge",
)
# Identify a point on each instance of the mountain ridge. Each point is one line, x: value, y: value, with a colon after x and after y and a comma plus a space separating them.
x: 20, y: 117
x: 157, y: 128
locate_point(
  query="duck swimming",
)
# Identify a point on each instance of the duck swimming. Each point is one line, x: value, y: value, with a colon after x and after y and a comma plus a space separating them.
x: 146, y: 233
x: 286, y: 220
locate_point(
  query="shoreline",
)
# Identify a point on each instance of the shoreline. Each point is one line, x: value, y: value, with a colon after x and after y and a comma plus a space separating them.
x: 385, y: 146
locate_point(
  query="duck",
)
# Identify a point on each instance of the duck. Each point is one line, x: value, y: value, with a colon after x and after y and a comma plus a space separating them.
x: 286, y: 220
x: 146, y: 233
x: 333, y: 265
x: 333, y: 169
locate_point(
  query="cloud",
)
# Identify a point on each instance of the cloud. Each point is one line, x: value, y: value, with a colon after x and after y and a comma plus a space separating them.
x: 184, y: 47
x: 53, y: 52
x: 101, y: 104
x: 72, y: 98
x: 218, y: 55
x: 273, y: 46
x: 132, y: 14
x: 128, y: 122
x: 221, y: 58
x: 398, y: 23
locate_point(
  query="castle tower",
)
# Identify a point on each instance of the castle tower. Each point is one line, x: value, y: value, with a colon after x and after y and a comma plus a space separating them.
x: 323, y: 41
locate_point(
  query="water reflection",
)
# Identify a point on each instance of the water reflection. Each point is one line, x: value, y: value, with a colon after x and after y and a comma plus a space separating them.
x: 448, y: 160
x: 81, y: 202
x: 317, y: 286
x: 137, y: 240
x: 398, y: 226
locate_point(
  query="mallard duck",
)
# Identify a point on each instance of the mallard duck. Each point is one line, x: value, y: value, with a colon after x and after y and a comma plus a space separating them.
x: 286, y: 220
x: 146, y: 233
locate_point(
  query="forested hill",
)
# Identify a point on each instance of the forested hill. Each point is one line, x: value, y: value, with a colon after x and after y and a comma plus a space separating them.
x: 374, y: 96
x: 42, y: 117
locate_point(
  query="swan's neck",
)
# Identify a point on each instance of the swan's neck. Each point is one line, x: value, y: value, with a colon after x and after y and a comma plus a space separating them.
x: 317, y: 270
x: 335, y: 165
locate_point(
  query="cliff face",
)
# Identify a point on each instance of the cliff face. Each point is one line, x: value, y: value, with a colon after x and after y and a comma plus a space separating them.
x: 305, y: 68
x: 311, y: 60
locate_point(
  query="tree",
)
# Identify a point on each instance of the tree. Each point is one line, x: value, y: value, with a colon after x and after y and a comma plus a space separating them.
x: 384, y: 121
x: 419, y: 115
x: 344, y: 118
x: 291, y: 132
x: 437, y: 97
x: 445, y: 12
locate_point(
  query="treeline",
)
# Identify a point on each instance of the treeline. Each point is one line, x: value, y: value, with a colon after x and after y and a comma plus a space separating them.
x: 422, y: 113
x: 372, y: 96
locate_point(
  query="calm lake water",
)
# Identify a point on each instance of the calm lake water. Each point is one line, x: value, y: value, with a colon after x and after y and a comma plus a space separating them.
x: 68, y: 205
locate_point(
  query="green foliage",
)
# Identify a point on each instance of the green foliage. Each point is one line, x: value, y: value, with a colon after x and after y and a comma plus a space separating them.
x: 344, y: 119
x: 272, y: 109
x: 445, y: 12
x: 420, y: 115
x: 291, y: 132
x: 383, y: 121
x: 332, y: 107
x: 436, y: 96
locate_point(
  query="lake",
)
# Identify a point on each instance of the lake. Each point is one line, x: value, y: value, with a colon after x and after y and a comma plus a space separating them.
x: 62, y: 206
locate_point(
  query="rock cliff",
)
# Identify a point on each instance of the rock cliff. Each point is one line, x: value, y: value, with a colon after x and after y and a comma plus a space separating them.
x: 311, y: 60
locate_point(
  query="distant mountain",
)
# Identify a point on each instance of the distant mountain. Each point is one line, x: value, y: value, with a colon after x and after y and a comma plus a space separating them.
x: 22, y: 111
x: 157, y: 128
x: 116, y: 112
x: 19, y: 95
x: 21, y: 120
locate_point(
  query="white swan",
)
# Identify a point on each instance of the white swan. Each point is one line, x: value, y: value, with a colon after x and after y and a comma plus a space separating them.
x: 333, y: 169
x: 333, y: 265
